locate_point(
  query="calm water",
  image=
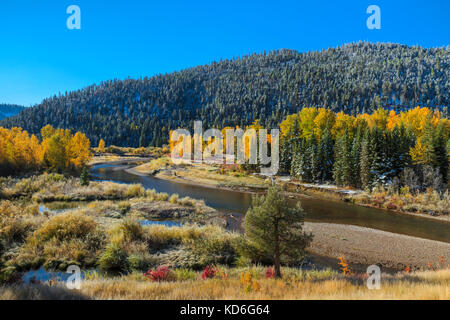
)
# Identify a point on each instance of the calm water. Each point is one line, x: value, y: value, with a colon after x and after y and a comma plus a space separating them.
x: 161, y: 223
x: 317, y: 210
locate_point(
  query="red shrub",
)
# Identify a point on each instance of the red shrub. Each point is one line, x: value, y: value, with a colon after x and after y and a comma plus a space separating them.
x: 270, y: 273
x: 209, y: 272
x: 162, y: 273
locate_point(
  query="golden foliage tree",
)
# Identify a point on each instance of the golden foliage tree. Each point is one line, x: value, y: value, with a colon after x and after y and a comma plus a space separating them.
x: 59, y: 150
x: 101, y: 145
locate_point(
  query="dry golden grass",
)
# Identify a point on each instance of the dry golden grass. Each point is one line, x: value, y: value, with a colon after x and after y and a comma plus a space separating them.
x: 423, y: 285
x: 430, y: 285
x: 105, y: 158
x: 431, y: 201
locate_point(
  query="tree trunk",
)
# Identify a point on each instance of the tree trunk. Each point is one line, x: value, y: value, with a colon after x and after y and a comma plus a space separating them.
x: 277, y: 254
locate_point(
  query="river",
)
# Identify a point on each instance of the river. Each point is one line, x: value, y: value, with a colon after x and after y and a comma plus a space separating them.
x: 318, y: 210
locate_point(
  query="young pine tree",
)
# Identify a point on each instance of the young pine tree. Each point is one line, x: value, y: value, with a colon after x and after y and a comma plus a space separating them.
x: 84, y: 177
x: 275, y: 228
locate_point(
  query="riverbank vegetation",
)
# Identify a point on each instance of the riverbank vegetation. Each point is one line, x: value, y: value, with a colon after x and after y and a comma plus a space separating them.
x: 400, y: 160
x: 98, y: 227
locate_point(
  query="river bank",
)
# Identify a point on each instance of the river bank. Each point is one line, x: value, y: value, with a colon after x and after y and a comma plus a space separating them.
x: 428, y: 205
x: 361, y: 246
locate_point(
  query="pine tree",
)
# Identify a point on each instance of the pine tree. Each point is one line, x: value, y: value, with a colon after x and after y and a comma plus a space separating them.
x: 275, y: 228
x: 84, y: 177
x: 298, y: 159
x: 440, y: 152
x: 316, y: 168
x: 380, y: 164
x: 326, y: 156
x: 355, y: 160
x: 366, y: 160
x: 142, y: 139
x: 342, y: 166
x: 287, y: 148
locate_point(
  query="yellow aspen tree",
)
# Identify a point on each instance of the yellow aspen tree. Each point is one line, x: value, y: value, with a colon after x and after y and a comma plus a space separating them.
x: 101, y: 145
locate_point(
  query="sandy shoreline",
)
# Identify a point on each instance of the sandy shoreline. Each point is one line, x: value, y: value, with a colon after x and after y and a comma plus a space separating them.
x: 366, y: 246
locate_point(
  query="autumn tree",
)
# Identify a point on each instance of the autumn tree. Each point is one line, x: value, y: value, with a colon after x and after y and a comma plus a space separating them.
x: 101, y: 145
x: 59, y: 151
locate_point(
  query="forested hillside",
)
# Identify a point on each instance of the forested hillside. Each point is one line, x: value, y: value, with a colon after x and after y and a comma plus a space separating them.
x: 9, y: 110
x: 355, y: 78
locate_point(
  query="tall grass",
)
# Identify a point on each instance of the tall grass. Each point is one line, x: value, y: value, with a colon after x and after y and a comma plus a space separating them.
x: 299, y: 285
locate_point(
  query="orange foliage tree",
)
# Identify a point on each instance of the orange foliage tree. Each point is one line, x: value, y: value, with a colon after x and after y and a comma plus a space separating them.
x: 59, y: 150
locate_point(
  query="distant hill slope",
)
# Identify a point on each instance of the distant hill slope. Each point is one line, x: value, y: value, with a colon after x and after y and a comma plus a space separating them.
x: 9, y: 110
x: 354, y: 78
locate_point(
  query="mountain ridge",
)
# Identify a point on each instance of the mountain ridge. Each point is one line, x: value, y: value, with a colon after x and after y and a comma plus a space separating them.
x: 353, y: 78
x: 9, y: 110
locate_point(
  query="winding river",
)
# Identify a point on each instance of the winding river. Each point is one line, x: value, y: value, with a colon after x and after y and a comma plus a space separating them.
x: 318, y: 210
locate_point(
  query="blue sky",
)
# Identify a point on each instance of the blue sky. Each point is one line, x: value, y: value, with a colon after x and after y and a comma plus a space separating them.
x: 40, y: 57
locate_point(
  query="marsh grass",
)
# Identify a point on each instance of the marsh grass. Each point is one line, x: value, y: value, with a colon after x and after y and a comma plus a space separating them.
x: 133, y: 247
x: 70, y: 238
x: 102, y: 229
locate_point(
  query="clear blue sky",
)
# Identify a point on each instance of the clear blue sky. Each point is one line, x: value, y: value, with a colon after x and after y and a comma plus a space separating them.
x: 40, y: 57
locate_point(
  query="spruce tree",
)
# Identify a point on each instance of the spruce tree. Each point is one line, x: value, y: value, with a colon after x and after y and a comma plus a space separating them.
x: 366, y: 160
x: 440, y: 152
x: 342, y: 165
x: 355, y: 160
x: 326, y: 156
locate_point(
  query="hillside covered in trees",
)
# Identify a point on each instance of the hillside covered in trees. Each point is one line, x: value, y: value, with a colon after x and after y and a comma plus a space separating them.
x: 9, y: 110
x: 355, y: 78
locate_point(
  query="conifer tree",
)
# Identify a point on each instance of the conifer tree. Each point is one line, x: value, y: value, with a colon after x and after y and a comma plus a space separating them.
x: 275, y: 228
x: 326, y: 156
x: 84, y: 177
x: 440, y: 152
x: 342, y: 165
x: 366, y: 160
x: 355, y: 160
